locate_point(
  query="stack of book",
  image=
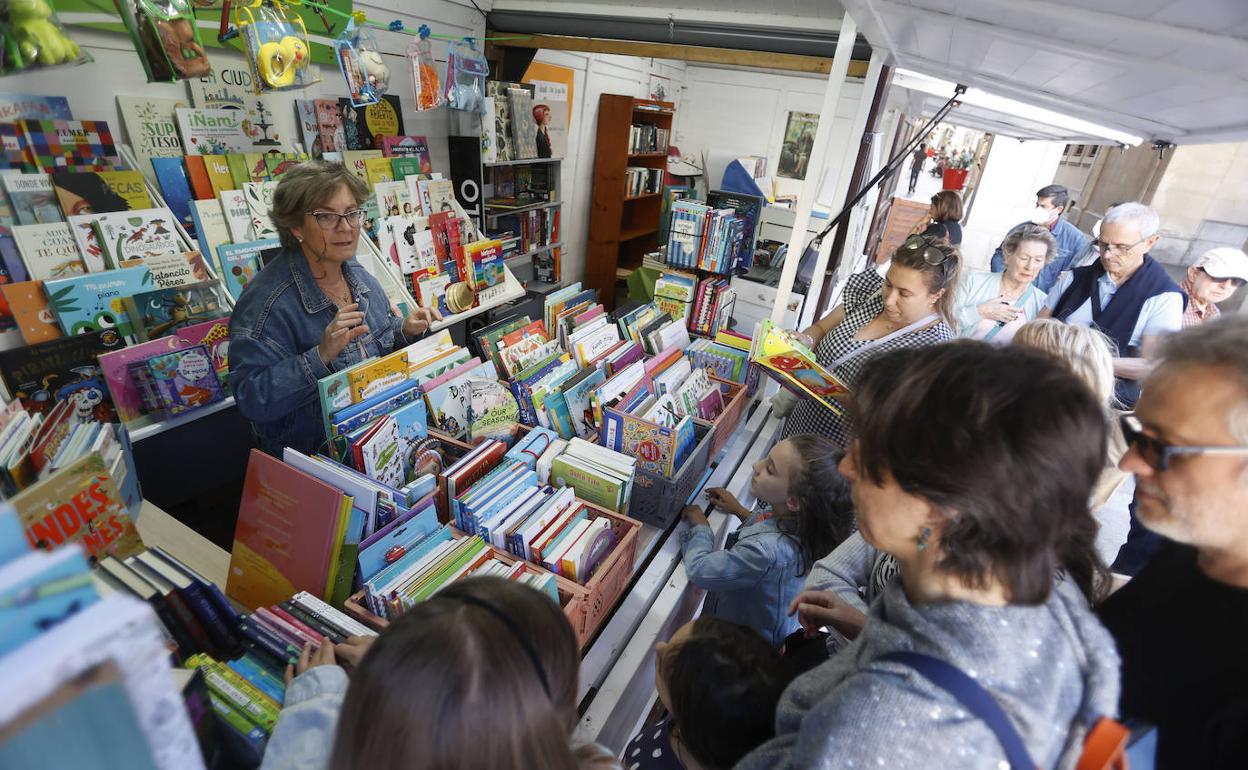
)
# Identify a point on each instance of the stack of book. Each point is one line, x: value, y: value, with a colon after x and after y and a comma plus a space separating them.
x: 727, y: 356
x: 645, y: 137
x: 713, y: 306
x: 706, y: 238
x: 639, y: 180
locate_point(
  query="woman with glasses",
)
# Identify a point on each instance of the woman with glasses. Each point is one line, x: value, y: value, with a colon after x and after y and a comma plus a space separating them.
x: 311, y: 311
x: 992, y: 306
x: 910, y: 306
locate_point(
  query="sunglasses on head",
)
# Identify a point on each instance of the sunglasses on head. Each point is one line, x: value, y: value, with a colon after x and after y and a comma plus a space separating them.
x: 931, y: 255
x: 1157, y: 454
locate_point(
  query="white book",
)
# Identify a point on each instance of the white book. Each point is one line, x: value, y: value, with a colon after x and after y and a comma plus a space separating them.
x: 529, y: 496
x: 259, y: 203
x: 237, y: 215
x: 48, y: 251
x: 554, y: 561
x: 88, y: 241
x: 544, y: 462
x: 141, y: 234
x: 212, y: 131
x: 540, y: 520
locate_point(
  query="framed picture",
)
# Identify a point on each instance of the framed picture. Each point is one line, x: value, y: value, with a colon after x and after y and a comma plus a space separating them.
x: 660, y: 88
x: 799, y: 138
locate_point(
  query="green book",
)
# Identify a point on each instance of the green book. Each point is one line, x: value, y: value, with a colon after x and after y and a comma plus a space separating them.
x: 589, y: 485
x: 238, y: 168
x: 404, y: 167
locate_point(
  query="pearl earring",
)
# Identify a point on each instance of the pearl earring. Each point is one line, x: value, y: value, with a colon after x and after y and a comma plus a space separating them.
x: 923, y: 538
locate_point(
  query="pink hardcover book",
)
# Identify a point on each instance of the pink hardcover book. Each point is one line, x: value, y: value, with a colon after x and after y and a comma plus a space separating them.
x: 467, y: 366
x: 127, y: 398
x: 588, y: 316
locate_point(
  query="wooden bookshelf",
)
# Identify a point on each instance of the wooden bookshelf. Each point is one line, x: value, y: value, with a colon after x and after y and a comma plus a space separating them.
x: 622, y: 228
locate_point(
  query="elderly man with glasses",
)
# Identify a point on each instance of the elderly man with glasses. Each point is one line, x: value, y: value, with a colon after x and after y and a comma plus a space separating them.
x: 1211, y: 279
x: 1180, y: 624
x: 1126, y: 294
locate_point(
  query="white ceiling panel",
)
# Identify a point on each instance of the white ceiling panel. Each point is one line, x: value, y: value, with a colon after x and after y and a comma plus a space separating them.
x: 1171, y: 70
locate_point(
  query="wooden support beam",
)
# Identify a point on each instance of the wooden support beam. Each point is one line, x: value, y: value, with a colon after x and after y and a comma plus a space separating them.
x: 690, y: 53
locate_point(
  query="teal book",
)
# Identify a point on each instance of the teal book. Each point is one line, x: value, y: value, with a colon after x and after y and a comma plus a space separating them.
x: 242, y: 262
x: 39, y: 590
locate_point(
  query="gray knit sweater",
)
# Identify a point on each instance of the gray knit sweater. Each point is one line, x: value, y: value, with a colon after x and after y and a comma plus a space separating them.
x: 1051, y: 667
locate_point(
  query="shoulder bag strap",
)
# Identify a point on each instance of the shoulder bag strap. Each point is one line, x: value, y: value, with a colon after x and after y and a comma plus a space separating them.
x: 973, y: 698
x: 1018, y: 303
x: 877, y: 342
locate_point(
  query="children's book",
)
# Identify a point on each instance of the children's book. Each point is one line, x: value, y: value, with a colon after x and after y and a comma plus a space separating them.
x: 176, y: 189
x: 373, y: 377
x: 378, y: 170
x: 94, y: 301
x: 242, y: 262
x: 185, y: 379
x: 408, y: 147
x: 259, y: 202
x: 364, y: 126
x: 152, y: 129
x: 13, y: 154
x: 138, y: 235
x: 212, y: 131
x: 793, y: 365
x: 97, y: 192
x: 48, y: 251
x: 211, y: 228
x: 309, y: 130
x: 86, y: 145
x: 329, y: 126
x: 29, y: 306
x: 15, y: 106
x: 356, y: 161
x: 79, y: 504
x: 32, y: 197
x: 219, y: 175
x: 237, y: 214
x: 62, y: 369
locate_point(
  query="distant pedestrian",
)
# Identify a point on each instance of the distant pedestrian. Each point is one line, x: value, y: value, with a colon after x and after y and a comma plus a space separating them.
x: 916, y: 166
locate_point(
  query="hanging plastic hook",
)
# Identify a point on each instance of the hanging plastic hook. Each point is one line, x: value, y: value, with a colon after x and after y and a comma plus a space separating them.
x: 425, y: 32
x: 396, y: 25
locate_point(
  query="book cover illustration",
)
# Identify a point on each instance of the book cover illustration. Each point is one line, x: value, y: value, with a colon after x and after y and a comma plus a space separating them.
x: 95, y: 301
x: 237, y: 213
x: 79, y: 504
x: 86, y: 145
x: 219, y: 175
x: 212, y: 131
x: 13, y: 146
x: 176, y: 189
x: 523, y: 127
x: 99, y: 192
x: 139, y: 235
x: 64, y: 369
x: 185, y: 379
x: 48, y: 251
x: 378, y: 171
x: 363, y: 127
x: 242, y: 262
x: 259, y: 203
x: 408, y: 147
x: 15, y: 106
x: 793, y: 365
x: 152, y: 128
x: 115, y: 367
x: 29, y: 306
x: 329, y: 126
x: 492, y: 409
x: 448, y: 402
x: 154, y: 314
x: 383, y: 460
x: 309, y: 128
x: 87, y: 239
x: 32, y: 198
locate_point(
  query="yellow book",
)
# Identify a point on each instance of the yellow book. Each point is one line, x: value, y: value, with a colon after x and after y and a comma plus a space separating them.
x: 256, y: 167
x: 219, y: 174
x: 372, y: 378
x: 356, y: 161
x: 378, y: 170
x: 342, y: 557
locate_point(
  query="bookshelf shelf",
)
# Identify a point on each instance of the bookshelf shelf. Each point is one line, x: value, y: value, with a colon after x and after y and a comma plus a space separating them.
x: 519, y: 209
x: 522, y: 162
x: 619, y: 234
x: 538, y: 250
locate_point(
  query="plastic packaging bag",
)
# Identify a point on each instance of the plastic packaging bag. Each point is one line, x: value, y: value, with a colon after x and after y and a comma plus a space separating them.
x: 466, y: 70
x: 168, y: 41
x: 277, y: 46
x: 425, y: 87
x: 34, y: 37
x: 362, y: 65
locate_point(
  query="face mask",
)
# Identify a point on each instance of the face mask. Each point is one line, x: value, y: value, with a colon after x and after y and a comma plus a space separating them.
x: 1096, y: 229
x: 1040, y: 216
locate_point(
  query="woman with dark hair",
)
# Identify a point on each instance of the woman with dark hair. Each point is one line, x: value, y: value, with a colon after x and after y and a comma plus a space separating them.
x: 944, y: 217
x: 972, y: 469
x: 484, y: 674
x: 910, y: 306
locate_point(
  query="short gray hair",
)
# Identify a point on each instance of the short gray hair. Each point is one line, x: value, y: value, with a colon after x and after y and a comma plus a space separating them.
x: 1030, y: 232
x: 306, y: 186
x: 1218, y: 343
x: 1132, y: 211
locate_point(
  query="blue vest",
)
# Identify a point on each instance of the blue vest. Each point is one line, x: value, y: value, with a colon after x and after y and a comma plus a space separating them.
x: 1117, y: 319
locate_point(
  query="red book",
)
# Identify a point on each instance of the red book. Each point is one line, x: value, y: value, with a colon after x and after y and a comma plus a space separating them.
x: 201, y: 183
x: 287, y: 533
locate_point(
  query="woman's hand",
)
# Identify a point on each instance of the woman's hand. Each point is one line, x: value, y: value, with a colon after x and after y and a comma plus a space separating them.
x: 819, y: 609
x: 348, y: 325
x: 727, y: 502
x: 694, y: 515
x: 999, y: 310
x: 324, y: 656
x: 419, y: 320
x: 352, y: 650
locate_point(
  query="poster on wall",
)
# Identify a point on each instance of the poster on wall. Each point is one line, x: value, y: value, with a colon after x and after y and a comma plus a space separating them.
x: 799, y: 138
x: 660, y: 88
x: 552, y: 107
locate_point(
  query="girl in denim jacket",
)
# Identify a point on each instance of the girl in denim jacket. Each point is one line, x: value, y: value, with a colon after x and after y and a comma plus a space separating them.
x: 805, y: 513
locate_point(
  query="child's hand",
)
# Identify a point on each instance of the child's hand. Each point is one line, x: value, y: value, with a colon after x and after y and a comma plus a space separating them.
x: 819, y: 609
x: 725, y: 501
x: 352, y: 650
x: 694, y: 515
x: 323, y: 656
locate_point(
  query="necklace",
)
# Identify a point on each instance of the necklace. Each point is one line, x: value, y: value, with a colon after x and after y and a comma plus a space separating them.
x: 341, y: 294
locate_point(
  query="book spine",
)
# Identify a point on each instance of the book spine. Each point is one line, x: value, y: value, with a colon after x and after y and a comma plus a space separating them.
x: 311, y: 621
x: 259, y: 678
x: 303, y: 628
x: 331, y: 616
x: 237, y: 721
x: 169, y: 620
x: 265, y: 640
x: 240, y: 693
x: 196, y: 597
x: 190, y: 624
x: 270, y: 620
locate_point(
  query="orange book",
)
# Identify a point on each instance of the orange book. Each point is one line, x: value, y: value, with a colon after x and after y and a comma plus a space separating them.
x: 29, y: 305
x: 201, y: 183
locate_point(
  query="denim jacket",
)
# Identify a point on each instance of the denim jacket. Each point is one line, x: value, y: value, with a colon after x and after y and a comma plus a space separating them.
x: 274, y: 332
x: 752, y: 580
x: 1071, y: 243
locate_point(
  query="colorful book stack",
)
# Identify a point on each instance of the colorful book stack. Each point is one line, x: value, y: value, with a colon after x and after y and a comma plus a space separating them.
x: 717, y: 240
x: 644, y: 138
x: 639, y: 180
x: 712, y: 308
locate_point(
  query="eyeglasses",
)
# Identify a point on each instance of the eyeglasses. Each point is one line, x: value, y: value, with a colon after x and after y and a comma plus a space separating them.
x: 1101, y: 247
x: 1157, y: 453
x: 328, y: 220
x: 931, y: 255
x: 1236, y: 283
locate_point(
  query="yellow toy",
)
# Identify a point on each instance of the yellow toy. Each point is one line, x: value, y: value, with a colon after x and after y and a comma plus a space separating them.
x: 276, y: 44
x: 39, y: 40
x: 279, y: 63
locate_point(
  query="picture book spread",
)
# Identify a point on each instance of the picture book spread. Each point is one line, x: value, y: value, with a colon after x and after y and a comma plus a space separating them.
x: 793, y: 365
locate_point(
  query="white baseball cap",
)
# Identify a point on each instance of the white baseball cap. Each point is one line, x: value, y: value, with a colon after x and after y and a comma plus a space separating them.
x: 1224, y: 262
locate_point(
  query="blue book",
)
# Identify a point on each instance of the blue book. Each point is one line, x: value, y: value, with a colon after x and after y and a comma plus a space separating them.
x: 242, y: 262
x: 39, y: 590
x: 253, y: 673
x: 528, y: 449
x: 13, y: 543
x: 412, y: 423
x: 392, y: 541
x: 176, y: 190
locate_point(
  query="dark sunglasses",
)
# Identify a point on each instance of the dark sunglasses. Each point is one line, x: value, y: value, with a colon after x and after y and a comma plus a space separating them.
x: 931, y: 255
x: 1235, y: 282
x: 1157, y: 453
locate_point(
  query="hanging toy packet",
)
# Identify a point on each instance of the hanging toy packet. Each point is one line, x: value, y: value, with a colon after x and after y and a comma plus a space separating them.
x: 276, y: 43
x: 466, y: 70
x: 168, y: 41
x: 362, y: 65
x: 33, y: 36
x: 425, y: 87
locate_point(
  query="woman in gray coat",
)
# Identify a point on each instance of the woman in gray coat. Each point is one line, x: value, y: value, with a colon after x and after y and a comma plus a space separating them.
x: 979, y: 513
